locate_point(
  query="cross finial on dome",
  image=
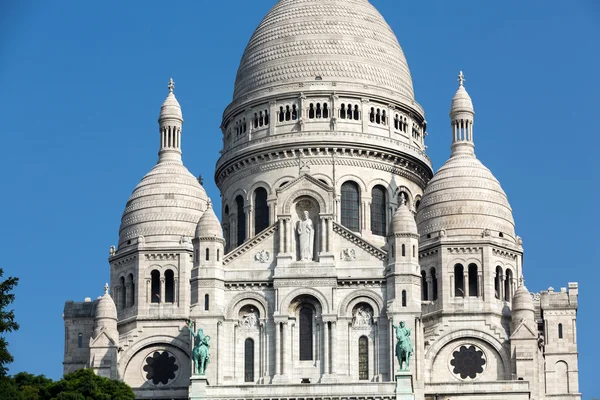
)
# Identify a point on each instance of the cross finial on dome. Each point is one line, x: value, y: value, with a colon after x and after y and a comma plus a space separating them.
x: 171, y: 85
x: 106, y: 288
x: 461, y: 79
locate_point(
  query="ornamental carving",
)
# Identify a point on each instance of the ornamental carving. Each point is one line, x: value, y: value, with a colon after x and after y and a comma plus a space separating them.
x: 160, y: 367
x: 362, y: 317
x: 249, y: 320
x: 263, y: 256
x: 348, y: 254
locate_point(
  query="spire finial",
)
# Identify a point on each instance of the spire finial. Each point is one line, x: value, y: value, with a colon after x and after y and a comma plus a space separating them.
x: 106, y: 288
x: 172, y: 85
x: 402, y: 199
x: 461, y: 79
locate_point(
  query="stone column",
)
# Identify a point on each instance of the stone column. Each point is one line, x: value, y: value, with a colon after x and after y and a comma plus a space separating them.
x: 162, y: 289
x: 272, y: 211
x: 248, y: 210
x: 452, y: 284
x: 334, y: 343
x: 219, y: 345
x: 501, y: 286
x: 277, y: 348
x: 480, y: 284
x: 329, y: 222
x: 429, y: 288
x: 148, y: 291
x: 286, y: 350
x: 365, y: 115
x: 466, y: 290
x: 289, y: 235
x: 176, y: 292
x: 281, y: 236
x: 323, y: 228
x: 376, y: 347
x: 326, y: 348
x: 272, y: 117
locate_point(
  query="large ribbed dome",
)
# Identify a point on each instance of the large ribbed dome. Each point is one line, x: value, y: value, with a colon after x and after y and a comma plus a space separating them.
x: 465, y: 199
x: 346, y: 42
x: 166, y: 205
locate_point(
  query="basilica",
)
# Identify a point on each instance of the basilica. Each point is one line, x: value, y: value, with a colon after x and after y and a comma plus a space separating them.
x: 335, y: 239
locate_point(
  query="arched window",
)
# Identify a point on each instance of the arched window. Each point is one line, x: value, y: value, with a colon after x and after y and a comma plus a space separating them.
x: 80, y: 341
x: 378, y: 211
x: 508, y: 285
x: 434, y: 284
x: 206, y: 302
x: 403, y: 251
x: 350, y: 206
x: 281, y: 115
x: 378, y: 116
x: 288, y: 114
x: 325, y: 111
x: 372, y: 115
x: 424, y: 286
x: 497, y: 282
x: 459, y: 281
x: 249, y: 360
x: 560, y: 331
x: 155, y: 287
x: 123, y: 293
x: 169, y: 286
x: 404, y: 298
x: 218, y: 255
x: 131, y: 292
x: 561, y: 380
x: 266, y: 117
x: 294, y: 113
x: 306, y: 334
x: 356, y: 113
x: 241, y: 220
x: 343, y: 111
x: 473, y: 286
x: 363, y: 358
x: 318, y: 115
x: 207, y: 254
x: 261, y: 210
x: 311, y: 111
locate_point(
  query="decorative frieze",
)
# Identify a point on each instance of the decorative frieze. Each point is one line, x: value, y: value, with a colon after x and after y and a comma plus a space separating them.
x: 504, y: 254
x: 161, y: 256
x: 331, y: 282
x: 464, y: 250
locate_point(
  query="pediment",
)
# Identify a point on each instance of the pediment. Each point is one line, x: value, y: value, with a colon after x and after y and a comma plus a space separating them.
x: 309, y: 186
x: 352, y: 241
x: 102, y: 340
x: 523, y: 331
x: 260, y: 249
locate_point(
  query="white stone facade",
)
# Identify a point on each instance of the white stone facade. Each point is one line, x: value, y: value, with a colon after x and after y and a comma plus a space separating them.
x: 333, y: 228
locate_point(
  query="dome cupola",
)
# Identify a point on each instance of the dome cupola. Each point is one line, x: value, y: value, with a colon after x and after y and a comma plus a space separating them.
x: 522, y: 306
x: 464, y: 199
x: 209, y: 225
x: 106, y: 315
x: 403, y: 220
x: 168, y: 202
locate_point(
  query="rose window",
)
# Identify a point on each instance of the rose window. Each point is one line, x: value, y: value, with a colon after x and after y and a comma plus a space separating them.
x: 160, y: 367
x: 467, y: 362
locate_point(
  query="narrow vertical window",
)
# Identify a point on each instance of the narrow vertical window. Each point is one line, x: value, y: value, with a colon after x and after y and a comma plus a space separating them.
x: 434, y: 284
x: 325, y: 111
x: 363, y: 358
x: 350, y: 206
x: 207, y: 254
x: 424, y: 286
x: 155, y: 287
x: 131, y: 292
x: 459, y: 281
x: 404, y: 298
x: 507, y: 285
x: 378, y: 211
x: 169, y: 286
x: 241, y: 220
x: 403, y: 250
x: 318, y: 110
x: 123, y: 293
x: 306, y: 334
x: 294, y: 113
x: 80, y: 341
x: 497, y: 282
x: 249, y: 360
x: 356, y: 113
x: 473, y: 286
x: 206, y: 302
x: 560, y: 331
x: 281, y: 114
x: 261, y: 210
x: 218, y: 255
x: 311, y: 111
x: 342, y: 111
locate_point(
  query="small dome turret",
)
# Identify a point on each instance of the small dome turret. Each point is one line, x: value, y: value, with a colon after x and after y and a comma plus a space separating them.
x: 209, y: 225
x: 106, y: 315
x: 403, y: 220
x: 170, y: 108
x: 522, y: 302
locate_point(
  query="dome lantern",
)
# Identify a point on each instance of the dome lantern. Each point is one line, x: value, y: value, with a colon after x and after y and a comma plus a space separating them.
x: 461, y: 116
x: 170, y: 120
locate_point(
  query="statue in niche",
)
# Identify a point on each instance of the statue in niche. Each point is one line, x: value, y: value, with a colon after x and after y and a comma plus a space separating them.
x: 404, y: 347
x: 306, y: 237
x: 362, y: 317
x: 249, y: 320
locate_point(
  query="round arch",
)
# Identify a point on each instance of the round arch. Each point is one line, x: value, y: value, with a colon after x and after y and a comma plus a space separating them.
x: 155, y: 340
x: 351, y: 177
x: 432, y: 352
x: 284, y: 179
x: 260, y: 184
x: 242, y: 299
x: 360, y: 296
x: 389, y: 191
x: 287, y: 300
x: 287, y: 205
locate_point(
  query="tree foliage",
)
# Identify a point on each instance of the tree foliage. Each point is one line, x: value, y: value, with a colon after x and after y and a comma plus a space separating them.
x: 7, y: 320
x: 79, y: 385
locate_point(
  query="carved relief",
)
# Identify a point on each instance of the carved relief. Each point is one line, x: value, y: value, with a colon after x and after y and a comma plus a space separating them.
x: 262, y: 256
x: 307, y: 209
x: 248, y: 319
x: 362, y: 317
x: 348, y: 254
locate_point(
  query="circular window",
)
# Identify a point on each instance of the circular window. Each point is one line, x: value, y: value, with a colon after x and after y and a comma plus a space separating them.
x: 160, y: 367
x: 467, y: 361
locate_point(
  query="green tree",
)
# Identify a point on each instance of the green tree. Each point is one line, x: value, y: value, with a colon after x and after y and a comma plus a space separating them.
x: 7, y: 320
x: 85, y: 385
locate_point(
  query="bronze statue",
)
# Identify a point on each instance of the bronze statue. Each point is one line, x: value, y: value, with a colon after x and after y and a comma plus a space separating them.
x: 404, y: 347
x: 200, y: 351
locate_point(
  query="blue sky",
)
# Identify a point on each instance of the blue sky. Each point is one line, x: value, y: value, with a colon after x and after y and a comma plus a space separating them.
x: 82, y: 84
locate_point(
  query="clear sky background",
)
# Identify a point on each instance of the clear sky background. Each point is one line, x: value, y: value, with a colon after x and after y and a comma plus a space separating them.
x: 81, y: 84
